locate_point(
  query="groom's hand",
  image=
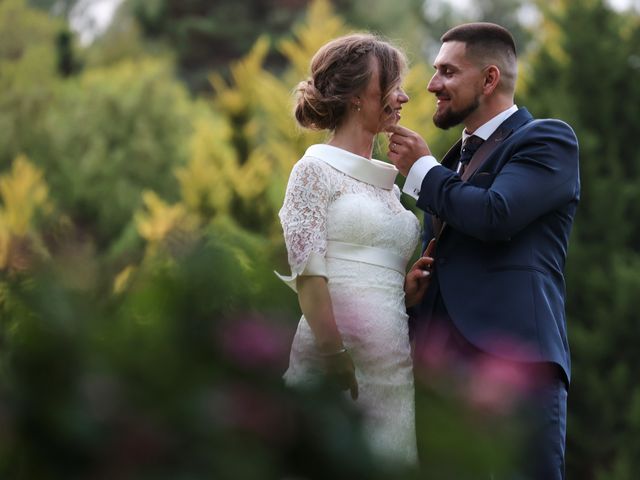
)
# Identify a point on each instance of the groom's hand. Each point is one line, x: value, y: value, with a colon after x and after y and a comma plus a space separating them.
x: 417, y: 280
x: 405, y: 147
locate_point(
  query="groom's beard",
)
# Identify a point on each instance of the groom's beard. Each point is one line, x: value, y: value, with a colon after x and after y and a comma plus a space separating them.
x: 450, y: 118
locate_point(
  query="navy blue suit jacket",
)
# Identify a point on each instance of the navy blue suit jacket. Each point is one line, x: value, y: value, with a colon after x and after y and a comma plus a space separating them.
x: 500, y: 257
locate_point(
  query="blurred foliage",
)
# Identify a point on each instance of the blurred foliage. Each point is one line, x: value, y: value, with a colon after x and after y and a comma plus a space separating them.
x: 101, y: 136
x: 23, y: 194
x: 403, y: 22
x: 27, y: 77
x: 110, y: 134
x: 164, y: 380
x: 208, y: 35
x: 143, y: 332
x: 24, y: 203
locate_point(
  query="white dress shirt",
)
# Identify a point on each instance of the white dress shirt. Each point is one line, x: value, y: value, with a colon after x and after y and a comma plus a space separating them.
x: 423, y: 165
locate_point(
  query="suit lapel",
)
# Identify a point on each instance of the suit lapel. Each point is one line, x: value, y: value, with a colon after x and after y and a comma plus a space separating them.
x: 450, y: 159
x: 503, y: 132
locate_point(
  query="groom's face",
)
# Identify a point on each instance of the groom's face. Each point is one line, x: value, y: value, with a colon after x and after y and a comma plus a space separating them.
x: 457, y: 85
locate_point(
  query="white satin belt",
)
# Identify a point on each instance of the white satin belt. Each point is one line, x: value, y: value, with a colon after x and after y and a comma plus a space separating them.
x: 366, y: 254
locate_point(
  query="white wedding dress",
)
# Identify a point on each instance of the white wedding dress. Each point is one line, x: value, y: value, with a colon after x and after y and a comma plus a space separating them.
x: 342, y: 219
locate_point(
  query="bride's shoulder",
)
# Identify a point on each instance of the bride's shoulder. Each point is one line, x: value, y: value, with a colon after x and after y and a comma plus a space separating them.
x: 312, y: 164
x: 311, y: 161
x: 312, y: 172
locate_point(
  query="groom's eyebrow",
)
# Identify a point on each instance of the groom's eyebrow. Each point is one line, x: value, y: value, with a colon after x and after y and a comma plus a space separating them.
x: 445, y: 66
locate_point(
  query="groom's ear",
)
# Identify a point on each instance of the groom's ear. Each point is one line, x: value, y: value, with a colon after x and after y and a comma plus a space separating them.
x: 491, y: 79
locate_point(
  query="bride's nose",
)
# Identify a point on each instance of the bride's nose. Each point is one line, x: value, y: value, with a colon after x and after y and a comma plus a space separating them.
x: 402, y: 97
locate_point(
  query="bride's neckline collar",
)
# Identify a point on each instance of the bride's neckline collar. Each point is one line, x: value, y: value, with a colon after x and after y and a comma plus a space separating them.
x: 373, y: 172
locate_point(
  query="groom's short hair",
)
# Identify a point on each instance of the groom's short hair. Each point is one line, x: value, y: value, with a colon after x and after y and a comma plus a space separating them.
x: 488, y: 44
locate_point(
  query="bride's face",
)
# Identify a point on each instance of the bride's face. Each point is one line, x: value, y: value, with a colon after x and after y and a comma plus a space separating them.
x: 391, y: 109
x: 376, y: 113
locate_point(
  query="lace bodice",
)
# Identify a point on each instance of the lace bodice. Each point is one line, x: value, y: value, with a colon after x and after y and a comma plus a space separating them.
x: 324, y: 203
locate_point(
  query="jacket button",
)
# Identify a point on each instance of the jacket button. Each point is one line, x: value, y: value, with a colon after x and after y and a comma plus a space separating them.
x: 442, y: 261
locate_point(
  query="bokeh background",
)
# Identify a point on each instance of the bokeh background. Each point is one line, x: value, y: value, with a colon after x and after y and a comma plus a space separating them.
x: 145, y: 147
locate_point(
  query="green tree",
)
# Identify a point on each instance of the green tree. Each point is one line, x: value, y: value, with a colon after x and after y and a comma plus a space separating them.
x: 208, y: 35
x: 404, y: 25
x: 28, y: 77
x: 113, y: 132
x: 587, y: 72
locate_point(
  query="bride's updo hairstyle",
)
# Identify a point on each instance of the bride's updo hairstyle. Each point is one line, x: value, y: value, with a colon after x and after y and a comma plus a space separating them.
x: 340, y: 70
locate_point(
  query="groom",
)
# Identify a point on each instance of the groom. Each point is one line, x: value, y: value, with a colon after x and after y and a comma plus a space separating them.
x: 500, y: 206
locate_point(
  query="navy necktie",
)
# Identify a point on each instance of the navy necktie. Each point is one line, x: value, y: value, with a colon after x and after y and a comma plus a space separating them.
x: 469, y: 147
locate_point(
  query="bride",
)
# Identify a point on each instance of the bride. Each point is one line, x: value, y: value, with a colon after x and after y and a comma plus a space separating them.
x: 349, y: 238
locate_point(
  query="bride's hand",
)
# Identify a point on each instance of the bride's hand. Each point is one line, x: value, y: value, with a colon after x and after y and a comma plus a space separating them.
x: 342, y: 372
x: 417, y: 280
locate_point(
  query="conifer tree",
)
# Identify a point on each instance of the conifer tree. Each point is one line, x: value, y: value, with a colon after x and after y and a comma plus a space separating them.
x: 587, y: 73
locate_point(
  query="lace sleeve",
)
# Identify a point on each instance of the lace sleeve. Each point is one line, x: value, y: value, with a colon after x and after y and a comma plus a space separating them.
x: 304, y: 218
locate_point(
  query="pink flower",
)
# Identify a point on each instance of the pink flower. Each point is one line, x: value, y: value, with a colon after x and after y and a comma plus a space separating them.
x: 254, y: 342
x: 485, y: 382
x: 497, y: 386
